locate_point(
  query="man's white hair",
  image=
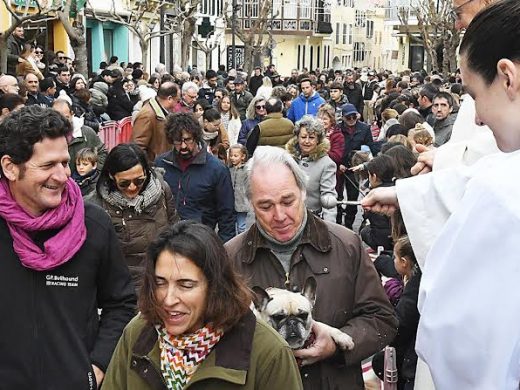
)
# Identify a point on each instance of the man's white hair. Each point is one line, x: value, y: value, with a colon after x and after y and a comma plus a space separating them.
x: 190, y: 85
x: 160, y: 68
x: 271, y: 156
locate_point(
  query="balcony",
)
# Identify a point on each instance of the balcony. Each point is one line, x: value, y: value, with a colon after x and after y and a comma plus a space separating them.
x: 323, y: 27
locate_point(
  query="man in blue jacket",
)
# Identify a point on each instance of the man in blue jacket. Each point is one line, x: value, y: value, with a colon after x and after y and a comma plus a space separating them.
x: 307, y: 103
x: 200, y: 183
x: 65, y: 290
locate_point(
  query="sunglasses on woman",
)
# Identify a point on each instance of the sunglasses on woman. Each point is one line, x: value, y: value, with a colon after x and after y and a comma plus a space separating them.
x: 138, y: 182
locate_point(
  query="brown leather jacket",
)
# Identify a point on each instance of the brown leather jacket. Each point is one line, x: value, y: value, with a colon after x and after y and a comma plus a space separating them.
x: 148, y: 130
x: 349, y: 296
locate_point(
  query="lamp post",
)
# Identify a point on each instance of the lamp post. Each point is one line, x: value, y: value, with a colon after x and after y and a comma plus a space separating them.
x: 233, y: 33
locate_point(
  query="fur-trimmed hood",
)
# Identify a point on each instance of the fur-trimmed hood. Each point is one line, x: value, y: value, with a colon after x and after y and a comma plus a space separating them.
x: 322, y: 149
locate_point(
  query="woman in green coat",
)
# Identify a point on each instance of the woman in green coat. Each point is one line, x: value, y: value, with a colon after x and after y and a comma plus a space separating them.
x: 195, y: 329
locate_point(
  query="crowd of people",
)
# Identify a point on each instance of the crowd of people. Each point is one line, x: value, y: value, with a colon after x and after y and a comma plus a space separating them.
x: 234, y: 180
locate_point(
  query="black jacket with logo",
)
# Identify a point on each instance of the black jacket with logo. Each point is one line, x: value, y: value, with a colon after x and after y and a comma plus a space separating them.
x: 51, y: 333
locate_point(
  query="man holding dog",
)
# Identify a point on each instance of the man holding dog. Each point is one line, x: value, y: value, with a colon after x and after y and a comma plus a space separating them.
x: 286, y: 245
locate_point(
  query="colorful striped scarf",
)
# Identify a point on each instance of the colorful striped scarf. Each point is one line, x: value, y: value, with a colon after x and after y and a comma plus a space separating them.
x: 181, y: 355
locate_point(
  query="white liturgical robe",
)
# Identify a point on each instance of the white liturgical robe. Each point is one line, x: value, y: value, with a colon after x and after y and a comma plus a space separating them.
x: 469, y: 299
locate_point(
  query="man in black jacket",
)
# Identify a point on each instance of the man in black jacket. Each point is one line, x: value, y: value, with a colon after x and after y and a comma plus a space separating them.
x: 354, y: 92
x: 256, y: 81
x: 15, y: 44
x: 34, y: 96
x: 64, y: 284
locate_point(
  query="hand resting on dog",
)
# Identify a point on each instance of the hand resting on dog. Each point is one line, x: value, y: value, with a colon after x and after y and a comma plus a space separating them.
x: 324, y: 345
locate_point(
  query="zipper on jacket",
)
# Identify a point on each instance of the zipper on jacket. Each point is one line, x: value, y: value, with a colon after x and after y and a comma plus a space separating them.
x: 39, y: 368
x: 287, y: 281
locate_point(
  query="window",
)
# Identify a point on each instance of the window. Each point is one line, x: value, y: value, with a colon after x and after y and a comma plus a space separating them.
x: 370, y: 28
x: 350, y: 37
x: 250, y: 9
x: 305, y: 25
x: 318, y: 52
x: 337, y: 33
x: 108, y: 39
x: 305, y: 9
x: 359, y: 51
x: 361, y: 18
x: 277, y: 8
x: 290, y: 25
x: 290, y: 8
x: 299, y: 54
x: 344, y: 34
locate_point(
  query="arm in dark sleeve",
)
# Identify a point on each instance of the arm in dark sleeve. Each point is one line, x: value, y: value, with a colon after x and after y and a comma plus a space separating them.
x: 374, y: 324
x: 170, y: 204
x: 115, y: 296
x: 407, y: 313
x: 226, y: 216
x: 101, y: 152
x: 252, y: 140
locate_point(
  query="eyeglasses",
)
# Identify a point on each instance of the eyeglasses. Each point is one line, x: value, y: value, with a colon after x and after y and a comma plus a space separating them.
x: 187, y: 141
x: 259, y: 107
x: 61, y: 58
x: 457, y: 11
x: 38, y: 52
x: 350, y: 117
x: 126, y: 183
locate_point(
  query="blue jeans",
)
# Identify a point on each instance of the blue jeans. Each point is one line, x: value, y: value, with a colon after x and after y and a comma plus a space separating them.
x: 241, y: 222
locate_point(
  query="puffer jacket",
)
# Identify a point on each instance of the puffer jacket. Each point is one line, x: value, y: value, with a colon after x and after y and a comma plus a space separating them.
x: 249, y: 356
x: 349, y: 293
x: 136, y: 231
x: 98, y: 97
x: 321, y: 171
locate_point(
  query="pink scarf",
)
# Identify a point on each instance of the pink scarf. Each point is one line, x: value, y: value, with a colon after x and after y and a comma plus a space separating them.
x: 69, y: 217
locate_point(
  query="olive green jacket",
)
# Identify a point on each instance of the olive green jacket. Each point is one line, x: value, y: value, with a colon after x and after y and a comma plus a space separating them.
x: 251, y: 355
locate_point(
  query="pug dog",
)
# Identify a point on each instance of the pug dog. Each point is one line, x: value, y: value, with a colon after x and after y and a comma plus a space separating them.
x: 290, y: 314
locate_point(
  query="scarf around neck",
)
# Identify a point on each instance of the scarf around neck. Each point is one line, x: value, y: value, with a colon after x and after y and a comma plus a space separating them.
x: 209, y: 136
x: 181, y: 355
x: 149, y: 196
x: 68, y: 218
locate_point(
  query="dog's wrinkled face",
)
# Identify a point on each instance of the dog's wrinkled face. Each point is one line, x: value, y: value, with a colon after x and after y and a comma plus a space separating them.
x: 289, y: 313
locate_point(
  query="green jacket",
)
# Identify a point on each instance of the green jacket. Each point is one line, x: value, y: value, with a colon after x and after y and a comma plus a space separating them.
x: 275, y: 130
x: 249, y: 356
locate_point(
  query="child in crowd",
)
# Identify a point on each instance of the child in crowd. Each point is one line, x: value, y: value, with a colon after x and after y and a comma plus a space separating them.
x: 380, y: 174
x: 407, y: 314
x: 86, y: 174
x: 423, y: 137
x: 237, y: 160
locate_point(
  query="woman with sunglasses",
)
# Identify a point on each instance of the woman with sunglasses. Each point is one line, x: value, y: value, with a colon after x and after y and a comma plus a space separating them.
x: 39, y: 60
x: 137, y: 199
